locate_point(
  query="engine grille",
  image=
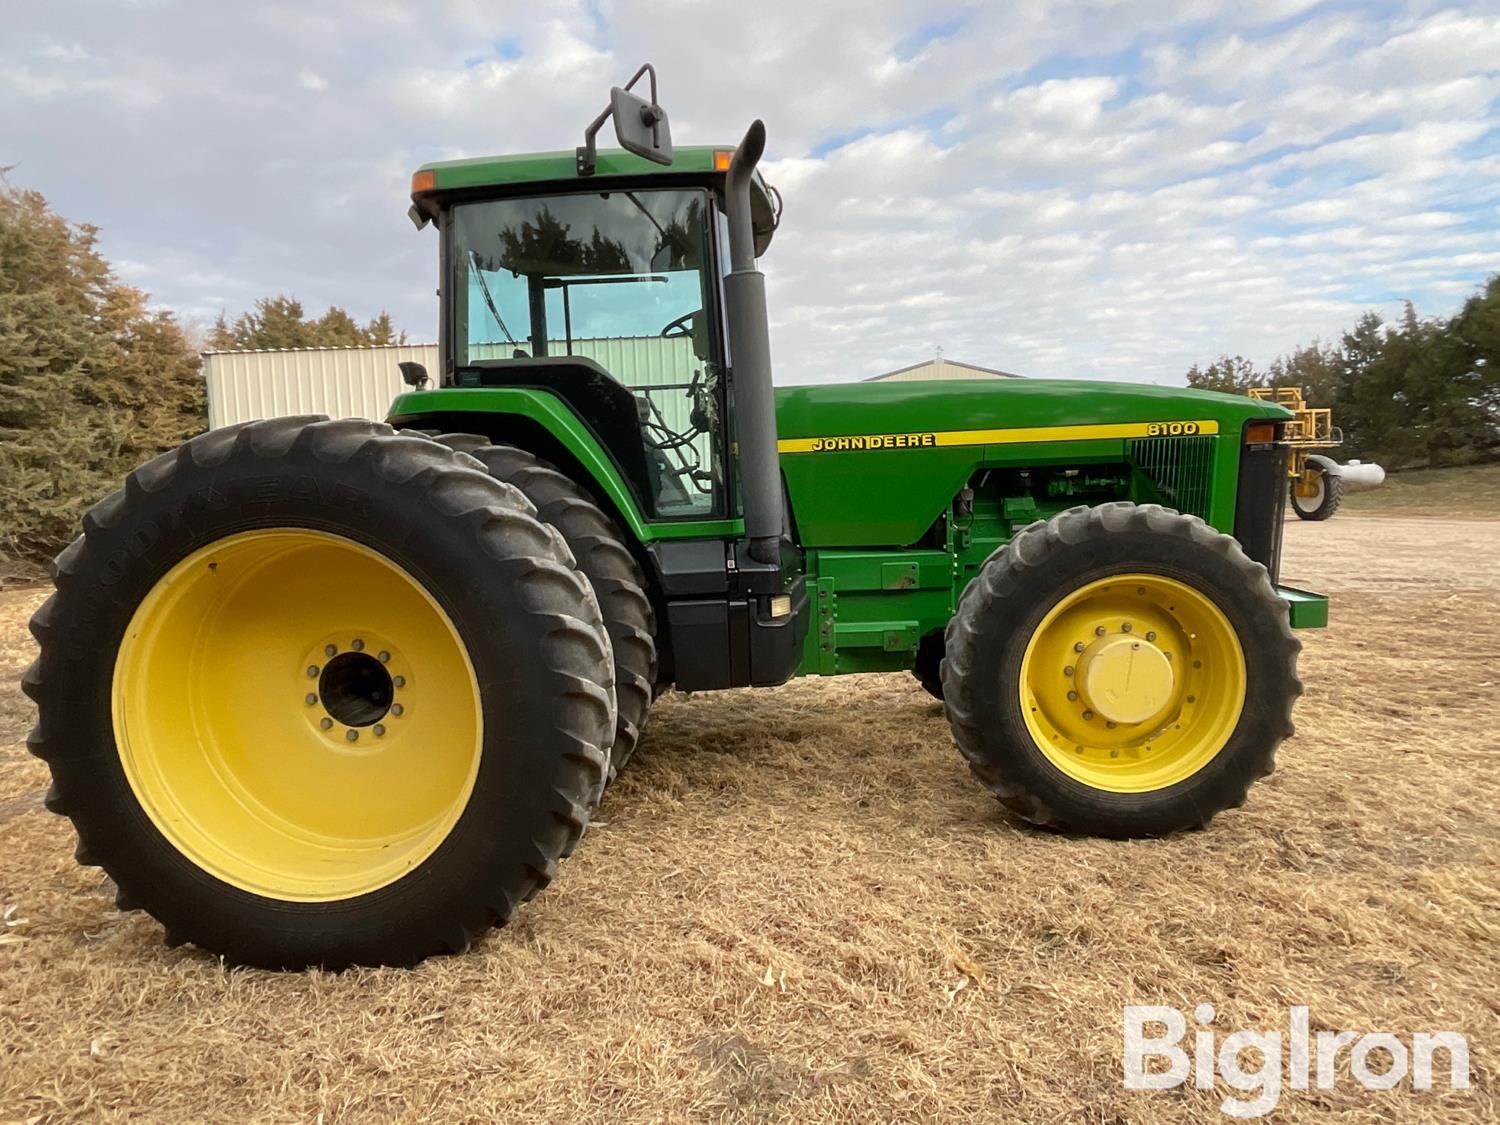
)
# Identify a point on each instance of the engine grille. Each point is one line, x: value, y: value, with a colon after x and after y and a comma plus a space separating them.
x: 1260, y: 504
x: 1179, y: 468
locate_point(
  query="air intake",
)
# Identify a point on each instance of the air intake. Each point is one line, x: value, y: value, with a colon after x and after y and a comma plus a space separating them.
x: 1179, y: 468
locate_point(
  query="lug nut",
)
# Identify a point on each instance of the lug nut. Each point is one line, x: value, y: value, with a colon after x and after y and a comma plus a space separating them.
x: 358, y: 645
x: 1127, y: 627
x: 384, y: 657
x: 326, y: 724
x: 398, y: 710
x: 1110, y: 724
x: 1151, y: 636
x: 352, y: 736
x: 1088, y: 714
x: 330, y: 650
x: 1099, y: 630
x: 1078, y: 647
x: 379, y: 729
x: 312, y: 671
x: 398, y: 681
x: 1072, y: 696
x: 312, y: 698
x: 1068, y: 671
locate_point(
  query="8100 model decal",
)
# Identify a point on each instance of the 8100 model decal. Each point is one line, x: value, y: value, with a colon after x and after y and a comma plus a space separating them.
x: 933, y: 439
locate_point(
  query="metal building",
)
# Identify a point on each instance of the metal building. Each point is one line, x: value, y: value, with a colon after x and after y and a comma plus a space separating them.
x: 339, y: 382
x: 361, y: 382
x: 940, y: 368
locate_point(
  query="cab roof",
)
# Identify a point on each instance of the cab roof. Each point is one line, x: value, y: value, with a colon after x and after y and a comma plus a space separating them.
x: 548, y: 167
x: 558, y: 171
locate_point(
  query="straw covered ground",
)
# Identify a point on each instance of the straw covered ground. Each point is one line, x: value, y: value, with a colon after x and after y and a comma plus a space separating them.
x: 796, y: 905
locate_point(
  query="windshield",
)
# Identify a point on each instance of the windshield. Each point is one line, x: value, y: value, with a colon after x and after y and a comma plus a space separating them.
x: 617, y: 278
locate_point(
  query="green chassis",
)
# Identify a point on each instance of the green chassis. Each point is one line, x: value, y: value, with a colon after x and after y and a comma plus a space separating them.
x: 899, y: 491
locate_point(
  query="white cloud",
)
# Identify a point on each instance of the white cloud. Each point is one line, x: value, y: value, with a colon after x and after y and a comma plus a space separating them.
x: 1113, y: 188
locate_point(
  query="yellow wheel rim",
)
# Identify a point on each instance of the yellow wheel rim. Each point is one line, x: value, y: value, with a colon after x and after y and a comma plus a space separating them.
x: 297, y: 715
x: 1133, y: 683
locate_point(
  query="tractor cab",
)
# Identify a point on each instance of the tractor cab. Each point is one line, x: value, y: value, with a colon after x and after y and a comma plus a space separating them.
x: 603, y: 308
x: 602, y: 281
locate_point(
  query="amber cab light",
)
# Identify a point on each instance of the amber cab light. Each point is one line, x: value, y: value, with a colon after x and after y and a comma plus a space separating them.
x: 1260, y: 433
x: 721, y: 160
x: 423, y: 181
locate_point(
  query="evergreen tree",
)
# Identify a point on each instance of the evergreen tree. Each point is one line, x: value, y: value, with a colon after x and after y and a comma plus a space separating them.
x: 1413, y: 393
x: 280, y: 322
x: 1230, y: 374
x: 91, y: 381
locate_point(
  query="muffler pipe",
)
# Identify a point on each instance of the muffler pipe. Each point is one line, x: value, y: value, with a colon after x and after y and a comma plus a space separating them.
x: 750, y: 359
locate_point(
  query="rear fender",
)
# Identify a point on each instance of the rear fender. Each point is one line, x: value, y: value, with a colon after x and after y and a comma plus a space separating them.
x: 536, y: 420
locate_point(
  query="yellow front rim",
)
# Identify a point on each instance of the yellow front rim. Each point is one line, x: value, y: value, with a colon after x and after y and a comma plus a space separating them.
x: 297, y: 715
x: 1133, y: 683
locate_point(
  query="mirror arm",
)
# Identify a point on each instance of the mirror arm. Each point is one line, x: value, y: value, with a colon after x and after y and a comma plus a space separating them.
x: 587, y: 153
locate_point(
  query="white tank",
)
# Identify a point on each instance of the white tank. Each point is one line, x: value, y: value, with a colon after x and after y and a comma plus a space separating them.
x: 1358, y: 476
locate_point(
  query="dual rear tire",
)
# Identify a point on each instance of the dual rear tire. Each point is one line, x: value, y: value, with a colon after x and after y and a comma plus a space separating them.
x: 317, y: 693
x: 603, y: 558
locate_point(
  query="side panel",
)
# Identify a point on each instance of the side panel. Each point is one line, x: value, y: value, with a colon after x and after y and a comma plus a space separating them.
x: 877, y: 464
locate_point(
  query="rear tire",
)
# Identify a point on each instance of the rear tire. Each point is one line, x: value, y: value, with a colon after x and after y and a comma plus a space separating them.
x: 604, y: 560
x: 1164, y: 626
x: 1323, y: 503
x: 184, y: 724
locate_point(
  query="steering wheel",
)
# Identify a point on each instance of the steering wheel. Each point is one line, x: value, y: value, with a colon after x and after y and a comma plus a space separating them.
x: 681, y: 326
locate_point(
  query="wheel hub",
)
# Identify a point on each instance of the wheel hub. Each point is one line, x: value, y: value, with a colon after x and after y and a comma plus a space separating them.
x: 1132, y: 683
x: 360, y: 687
x: 1125, y: 679
x: 356, y: 689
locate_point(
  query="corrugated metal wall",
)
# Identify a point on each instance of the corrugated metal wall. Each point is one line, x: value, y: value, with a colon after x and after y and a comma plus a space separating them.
x: 339, y: 382
x: 361, y: 382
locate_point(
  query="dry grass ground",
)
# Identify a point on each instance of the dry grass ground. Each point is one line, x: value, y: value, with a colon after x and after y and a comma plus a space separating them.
x: 797, y: 906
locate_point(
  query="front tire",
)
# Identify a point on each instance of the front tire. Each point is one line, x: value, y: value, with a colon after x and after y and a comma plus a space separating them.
x: 1120, y: 671
x: 313, y: 693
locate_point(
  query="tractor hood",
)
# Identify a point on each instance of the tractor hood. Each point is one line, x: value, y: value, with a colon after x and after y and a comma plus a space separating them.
x: 874, y: 464
x: 953, y: 406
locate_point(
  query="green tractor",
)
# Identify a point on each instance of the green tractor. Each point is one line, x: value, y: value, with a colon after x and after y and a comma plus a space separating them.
x: 343, y: 692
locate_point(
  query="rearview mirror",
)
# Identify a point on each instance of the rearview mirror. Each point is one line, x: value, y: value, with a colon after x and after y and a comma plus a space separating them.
x: 641, y: 126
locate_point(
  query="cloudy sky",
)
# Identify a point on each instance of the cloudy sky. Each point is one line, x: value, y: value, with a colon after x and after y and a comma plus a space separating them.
x: 1111, y: 189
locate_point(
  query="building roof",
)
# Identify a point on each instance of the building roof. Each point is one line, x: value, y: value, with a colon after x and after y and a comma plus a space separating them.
x: 965, y: 369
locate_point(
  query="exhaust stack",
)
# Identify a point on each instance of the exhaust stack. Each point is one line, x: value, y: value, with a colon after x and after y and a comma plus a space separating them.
x: 750, y: 359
